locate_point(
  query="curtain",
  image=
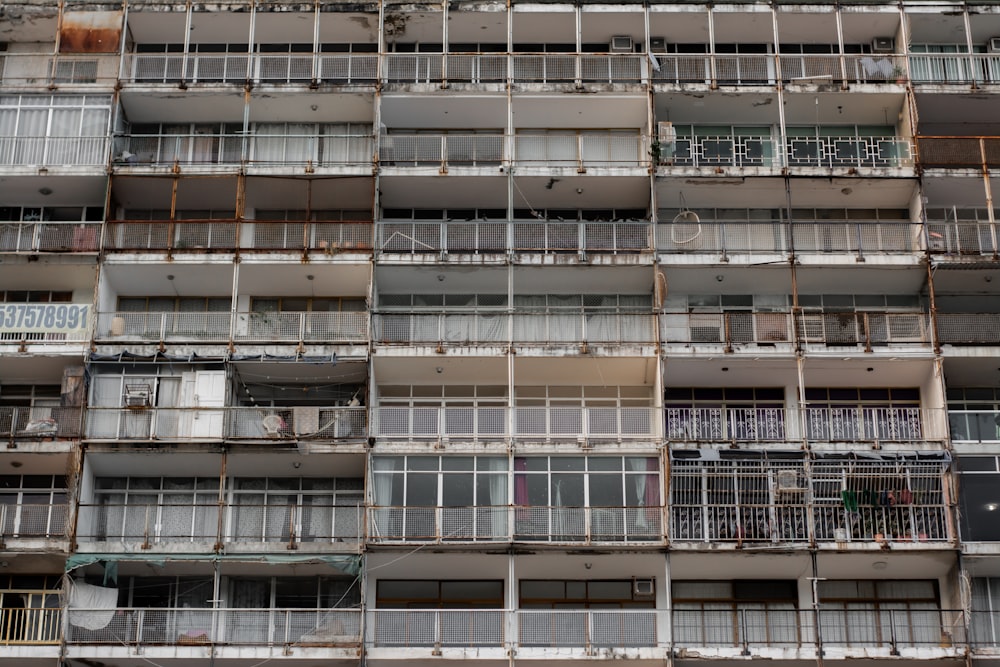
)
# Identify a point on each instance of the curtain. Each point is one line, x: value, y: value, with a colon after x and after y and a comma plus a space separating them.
x: 384, y: 518
x: 31, y: 133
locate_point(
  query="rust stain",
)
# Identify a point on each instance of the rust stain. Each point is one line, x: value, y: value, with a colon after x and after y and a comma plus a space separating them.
x: 90, y: 32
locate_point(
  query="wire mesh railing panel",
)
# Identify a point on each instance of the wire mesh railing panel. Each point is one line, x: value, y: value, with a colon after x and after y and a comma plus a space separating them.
x: 968, y: 328
x: 744, y: 69
x: 352, y: 69
x: 475, y: 237
x: 544, y: 68
x: 34, y: 520
x: 129, y: 235
x: 553, y: 628
x: 814, y: 68
x: 407, y: 237
x: 962, y: 238
x: 476, y: 68
x: 619, y: 68
x: 412, y: 68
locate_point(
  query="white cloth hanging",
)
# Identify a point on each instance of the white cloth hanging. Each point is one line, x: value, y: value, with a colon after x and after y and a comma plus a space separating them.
x: 91, y: 607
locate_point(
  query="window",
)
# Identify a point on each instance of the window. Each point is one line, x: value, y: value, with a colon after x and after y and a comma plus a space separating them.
x: 33, y: 505
x: 175, y: 509
x: 271, y: 509
x: 54, y: 129
x: 434, y: 594
x: 440, y: 498
x: 728, y: 613
x: 725, y: 413
x: 974, y: 413
x: 31, y: 609
x: 881, y: 613
x: 979, y: 498
x: 571, y: 498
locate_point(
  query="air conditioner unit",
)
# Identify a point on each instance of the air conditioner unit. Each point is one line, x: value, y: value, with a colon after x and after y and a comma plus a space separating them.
x: 137, y: 395
x: 621, y: 44
x: 788, y: 480
x: 666, y: 134
x: 657, y: 44
x: 883, y: 45
x: 993, y: 46
x: 643, y: 588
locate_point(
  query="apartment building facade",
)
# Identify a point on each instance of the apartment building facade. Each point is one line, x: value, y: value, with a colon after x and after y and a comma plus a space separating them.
x: 388, y: 333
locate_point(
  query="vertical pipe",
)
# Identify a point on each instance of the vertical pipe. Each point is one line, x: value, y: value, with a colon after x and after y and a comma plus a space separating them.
x: 713, y: 74
x: 316, y: 74
x: 187, y: 45
x: 840, y: 48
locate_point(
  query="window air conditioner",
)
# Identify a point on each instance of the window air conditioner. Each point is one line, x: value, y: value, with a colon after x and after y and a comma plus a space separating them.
x: 657, y: 44
x: 883, y: 45
x: 666, y: 134
x: 137, y: 396
x: 993, y: 46
x: 621, y: 44
x: 643, y: 588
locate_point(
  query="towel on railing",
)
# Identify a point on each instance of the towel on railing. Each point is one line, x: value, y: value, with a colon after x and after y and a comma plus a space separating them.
x: 91, y: 607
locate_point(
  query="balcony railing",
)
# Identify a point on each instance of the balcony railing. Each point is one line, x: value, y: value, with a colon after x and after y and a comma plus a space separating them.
x: 518, y: 236
x: 30, y: 626
x: 172, y: 523
x: 861, y: 627
x: 357, y: 68
x: 40, y: 422
x: 579, y: 68
x: 853, y: 424
x: 262, y: 148
x: 725, y: 424
x: 47, y: 70
x: 491, y: 422
x: 254, y: 327
x: 794, y: 151
x: 772, y: 237
x: 968, y: 328
x: 964, y: 68
x: 233, y: 627
x: 194, y: 423
x: 728, y: 328
x: 228, y: 235
x: 974, y: 425
x: 864, y: 328
x: 519, y: 328
x: 489, y: 524
x: 959, y: 152
x: 33, y: 520
x: 427, y: 628
x: 52, y: 151
x: 44, y: 322
x: 49, y: 236
x: 962, y: 238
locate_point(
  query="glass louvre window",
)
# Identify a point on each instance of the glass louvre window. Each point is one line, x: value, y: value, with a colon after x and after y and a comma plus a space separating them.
x: 31, y: 607
x: 572, y: 497
x: 446, y: 498
x: 33, y: 505
x: 728, y: 613
x: 725, y: 413
x: 879, y: 613
x: 155, y: 508
x: 868, y: 413
x: 275, y: 509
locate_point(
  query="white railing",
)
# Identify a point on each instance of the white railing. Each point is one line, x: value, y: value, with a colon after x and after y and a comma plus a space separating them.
x: 436, y: 524
x: 964, y: 68
x: 49, y: 236
x: 228, y: 149
x: 773, y: 237
x: 731, y: 151
x: 171, y: 523
x: 855, y: 237
x: 40, y: 422
x: 864, y: 328
x: 728, y: 328
x: 853, y: 424
x: 579, y: 68
x: 234, y: 627
x: 298, y: 423
x: 427, y: 628
x: 264, y: 68
x: 962, y: 238
x: 569, y: 422
x: 188, y: 235
x: 44, y: 322
x: 968, y: 328
x: 53, y: 151
x: 273, y: 327
x: 848, y: 151
x: 528, y: 328
x: 517, y: 236
x: 588, y: 524
x: 725, y: 424
x: 459, y: 150
x: 590, y: 628
x: 974, y: 425
x: 154, y: 327
x: 583, y: 150
x: 432, y: 422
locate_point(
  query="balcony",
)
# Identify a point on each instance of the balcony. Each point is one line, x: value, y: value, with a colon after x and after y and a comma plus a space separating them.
x: 267, y: 68
x: 17, y: 423
x: 770, y: 238
x: 587, y: 525
x: 50, y: 151
x: 743, y: 425
x: 745, y: 501
x: 230, y: 423
x: 50, y: 72
x: 519, y: 328
x: 964, y: 238
x: 44, y: 323
x: 761, y: 328
x: 577, y: 69
x: 968, y: 328
x: 264, y: 147
x: 187, y: 627
x: 248, y: 327
x: 491, y: 423
x: 49, y: 236
x: 231, y: 235
x: 978, y: 426
x: 757, y: 70
x: 852, y: 632
x: 293, y: 525
x: 33, y: 520
x: 971, y: 152
x: 518, y: 236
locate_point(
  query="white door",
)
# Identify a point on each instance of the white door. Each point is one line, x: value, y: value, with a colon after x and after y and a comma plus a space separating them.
x: 209, y: 392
